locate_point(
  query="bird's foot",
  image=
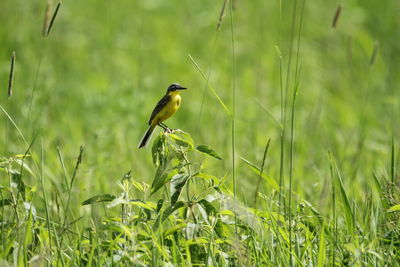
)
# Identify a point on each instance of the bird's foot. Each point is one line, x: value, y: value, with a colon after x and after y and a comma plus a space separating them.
x: 168, y: 130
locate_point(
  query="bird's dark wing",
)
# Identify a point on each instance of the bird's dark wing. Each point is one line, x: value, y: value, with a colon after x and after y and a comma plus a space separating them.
x: 162, y: 103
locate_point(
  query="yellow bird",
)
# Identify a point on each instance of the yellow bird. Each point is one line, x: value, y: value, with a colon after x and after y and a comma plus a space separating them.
x: 165, y: 108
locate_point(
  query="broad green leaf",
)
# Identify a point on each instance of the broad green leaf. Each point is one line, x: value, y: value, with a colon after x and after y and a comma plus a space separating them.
x: 177, y: 183
x: 221, y: 230
x: 183, y: 139
x: 99, y: 198
x: 172, y: 208
x: 158, y: 149
x: 162, y: 177
x: 207, y: 150
x: 203, y: 213
x: 210, y: 209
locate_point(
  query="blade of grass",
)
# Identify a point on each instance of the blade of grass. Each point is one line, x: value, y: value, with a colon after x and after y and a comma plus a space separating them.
x: 61, y: 159
x: 233, y: 131
x: 212, y: 89
x: 11, y: 77
x: 392, y: 162
x: 15, y: 125
x: 321, y: 247
x: 261, y: 172
x: 48, y: 220
x: 345, y: 200
x: 78, y: 162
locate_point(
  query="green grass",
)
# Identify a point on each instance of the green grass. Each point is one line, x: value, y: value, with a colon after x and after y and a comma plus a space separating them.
x: 288, y: 153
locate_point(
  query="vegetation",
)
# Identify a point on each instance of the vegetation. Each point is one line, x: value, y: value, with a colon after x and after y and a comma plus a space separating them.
x: 288, y: 153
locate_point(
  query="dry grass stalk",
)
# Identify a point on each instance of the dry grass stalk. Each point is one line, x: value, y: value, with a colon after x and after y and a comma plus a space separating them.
x: 221, y: 14
x: 337, y: 15
x: 47, y: 18
x: 53, y: 18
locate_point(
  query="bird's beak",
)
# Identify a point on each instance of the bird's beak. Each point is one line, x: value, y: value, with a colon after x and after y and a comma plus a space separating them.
x: 182, y: 88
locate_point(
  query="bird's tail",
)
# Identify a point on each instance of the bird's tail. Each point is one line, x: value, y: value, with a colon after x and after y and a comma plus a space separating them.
x: 146, y: 136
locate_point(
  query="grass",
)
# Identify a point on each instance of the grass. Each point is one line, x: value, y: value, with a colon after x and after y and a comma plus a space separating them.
x: 304, y: 93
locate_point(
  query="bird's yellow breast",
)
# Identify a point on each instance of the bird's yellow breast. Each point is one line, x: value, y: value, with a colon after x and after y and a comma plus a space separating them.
x: 170, y: 108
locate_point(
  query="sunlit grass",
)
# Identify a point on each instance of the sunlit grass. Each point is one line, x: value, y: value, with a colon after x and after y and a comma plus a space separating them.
x: 311, y: 83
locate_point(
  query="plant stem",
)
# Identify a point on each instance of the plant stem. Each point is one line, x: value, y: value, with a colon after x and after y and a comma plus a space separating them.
x: 233, y: 117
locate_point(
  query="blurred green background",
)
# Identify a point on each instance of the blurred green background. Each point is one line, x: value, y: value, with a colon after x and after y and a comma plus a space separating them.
x: 95, y: 80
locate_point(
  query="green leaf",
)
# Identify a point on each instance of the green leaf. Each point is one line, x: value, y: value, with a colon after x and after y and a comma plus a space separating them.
x: 160, y: 203
x: 158, y: 149
x: 5, y: 202
x: 164, y: 215
x: 210, y: 209
x: 174, y: 229
x: 161, y: 180
x: 177, y: 183
x: 172, y: 208
x: 207, y: 150
x: 164, y: 175
x: 24, y: 165
x: 322, y: 249
x: 17, y: 179
x: 183, y: 139
x: 221, y: 229
x: 394, y: 208
x: 99, y: 198
x: 227, y: 213
x: 257, y: 170
x: 138, y: 186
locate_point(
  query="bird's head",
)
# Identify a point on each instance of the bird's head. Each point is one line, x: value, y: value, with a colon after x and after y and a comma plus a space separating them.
x: 175, y: 87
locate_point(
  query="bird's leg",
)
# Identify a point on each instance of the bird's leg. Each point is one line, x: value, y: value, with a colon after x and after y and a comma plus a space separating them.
x: 165, y: 127
x: 162, y: 126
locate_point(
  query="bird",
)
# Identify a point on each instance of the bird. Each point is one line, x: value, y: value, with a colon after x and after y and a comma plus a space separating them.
x: 165, y: 108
